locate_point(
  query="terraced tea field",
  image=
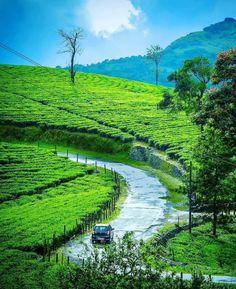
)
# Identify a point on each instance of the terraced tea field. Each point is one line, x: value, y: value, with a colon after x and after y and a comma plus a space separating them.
x: 112, y: 107
x: 44, y: 197
x: 22, y: 176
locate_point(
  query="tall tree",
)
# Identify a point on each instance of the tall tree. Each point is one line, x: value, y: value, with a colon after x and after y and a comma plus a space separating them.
x: 154, y: 53
x: 190, y: 83
x: 71, y: 45
x: 213, y: 168
x: 220, y: 105
x: 216, y: 150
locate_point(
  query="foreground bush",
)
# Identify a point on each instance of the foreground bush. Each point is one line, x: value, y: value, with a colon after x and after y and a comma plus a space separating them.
x: 120, y: 265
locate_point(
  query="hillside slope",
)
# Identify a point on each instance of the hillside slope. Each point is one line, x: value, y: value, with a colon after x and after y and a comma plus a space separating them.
x: 214, y: 38
x: 111, y: 107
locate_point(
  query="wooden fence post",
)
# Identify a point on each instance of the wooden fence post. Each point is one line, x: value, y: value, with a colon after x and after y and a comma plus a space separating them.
x: 53, y: 241
x: 44, y: 249
x: 64, y: 231
x: 190, y: 198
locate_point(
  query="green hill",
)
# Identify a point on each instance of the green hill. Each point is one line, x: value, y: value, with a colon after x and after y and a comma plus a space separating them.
x: 113, y: 108
x: 208, y: 42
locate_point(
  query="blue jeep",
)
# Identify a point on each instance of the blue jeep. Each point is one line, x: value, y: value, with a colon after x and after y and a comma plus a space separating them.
x: 102, y: 233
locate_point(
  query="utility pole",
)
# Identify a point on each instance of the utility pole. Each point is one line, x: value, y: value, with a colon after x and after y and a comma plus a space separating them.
x: 190, y: 198
x: 214, y: 205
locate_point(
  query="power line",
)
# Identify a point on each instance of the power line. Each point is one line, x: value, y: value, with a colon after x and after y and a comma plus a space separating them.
x: 13, y: 51
x: 28, y: 59
x: 224, y: 160
x: 217, y: 158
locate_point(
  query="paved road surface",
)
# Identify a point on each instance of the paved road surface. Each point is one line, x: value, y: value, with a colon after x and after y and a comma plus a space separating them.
x: 143, y: 211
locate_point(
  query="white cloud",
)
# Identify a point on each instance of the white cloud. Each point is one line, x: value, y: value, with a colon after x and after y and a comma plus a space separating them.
x: 110, y: 16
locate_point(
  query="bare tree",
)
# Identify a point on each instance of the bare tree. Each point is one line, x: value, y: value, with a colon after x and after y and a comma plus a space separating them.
x: 71, y: 45
x: 154, y: 54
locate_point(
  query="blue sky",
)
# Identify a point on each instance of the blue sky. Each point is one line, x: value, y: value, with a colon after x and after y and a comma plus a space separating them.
x: 113, y: 28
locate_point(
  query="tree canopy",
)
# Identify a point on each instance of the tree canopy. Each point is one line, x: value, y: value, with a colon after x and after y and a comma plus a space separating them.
x: 220, y: 105
x: 190, y: 83
x: 215, y: 152
x: 154, y: 53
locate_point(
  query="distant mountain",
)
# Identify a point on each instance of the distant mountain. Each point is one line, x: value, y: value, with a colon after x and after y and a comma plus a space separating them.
x: 214, y: 38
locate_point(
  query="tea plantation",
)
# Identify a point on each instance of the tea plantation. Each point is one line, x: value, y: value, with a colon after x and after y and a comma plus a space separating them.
x: 44, y: 200
x: 45, y: 197
x: 111, y: 107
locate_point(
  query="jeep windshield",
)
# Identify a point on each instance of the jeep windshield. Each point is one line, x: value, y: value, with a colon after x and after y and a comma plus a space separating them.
x: 100, y: 229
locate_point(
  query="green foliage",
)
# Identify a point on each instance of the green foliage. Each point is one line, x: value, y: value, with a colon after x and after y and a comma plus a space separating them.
x: 111, y: 107
x: 215, y: 152
x: 166, y: 101
x: 201, y: 252
x: 120, y: 265
x: 219, y: 107
x: 78, y: 140
x: 213, y: 167
x: 190, y: 83
x: 23, y: 270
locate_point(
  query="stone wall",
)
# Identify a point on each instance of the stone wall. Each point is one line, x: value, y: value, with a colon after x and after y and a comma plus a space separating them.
x: 146, y: 154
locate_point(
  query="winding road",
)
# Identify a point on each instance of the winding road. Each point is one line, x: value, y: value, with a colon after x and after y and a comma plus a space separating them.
x: 143, y: 212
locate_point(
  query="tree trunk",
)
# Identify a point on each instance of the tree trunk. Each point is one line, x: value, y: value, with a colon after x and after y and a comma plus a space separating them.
x: 214, y: 203
x: 72, y: 72
x: 214, y: 215
x: 202, y: 130
x: 156, y: 73
x: 190, y: 199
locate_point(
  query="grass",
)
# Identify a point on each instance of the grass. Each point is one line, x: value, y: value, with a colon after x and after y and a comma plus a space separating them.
x: 110, y: 107
x: 78, y: 140
x: 202, y: 252
x: 173, y: 185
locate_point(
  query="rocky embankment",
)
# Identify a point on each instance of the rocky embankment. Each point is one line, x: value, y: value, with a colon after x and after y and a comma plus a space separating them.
x: 146, y: 154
